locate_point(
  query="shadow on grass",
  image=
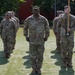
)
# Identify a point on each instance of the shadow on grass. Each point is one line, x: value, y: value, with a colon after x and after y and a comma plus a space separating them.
x: 66, y: 71
x: 27, y: 63
x: 3, y: 60
x: 34, y: 74
x: 59, y: 62
x: 58, y: 57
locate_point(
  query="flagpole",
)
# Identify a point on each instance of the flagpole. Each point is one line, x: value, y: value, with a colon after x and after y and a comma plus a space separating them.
x: 55, y: 8
x: 68, y: 14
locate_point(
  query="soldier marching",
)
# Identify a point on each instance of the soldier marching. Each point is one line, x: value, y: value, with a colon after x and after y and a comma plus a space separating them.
x: 36, y: 31
x: 38, y: 27
x: 7, y: 31
x: 67, y: 36
x: 57, y: 34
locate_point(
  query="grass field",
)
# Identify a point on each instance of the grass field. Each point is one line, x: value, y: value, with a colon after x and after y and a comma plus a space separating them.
x: 19, y: 62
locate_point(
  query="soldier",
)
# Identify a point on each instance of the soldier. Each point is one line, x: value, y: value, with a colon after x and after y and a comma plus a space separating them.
x: 57, y: 34
x: 16, y: 20
x: 7, y: 31
x: 36, y: 31
x: 67, y: 36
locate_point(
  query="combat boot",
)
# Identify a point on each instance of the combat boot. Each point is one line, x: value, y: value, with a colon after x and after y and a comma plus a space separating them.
x: 65, y: 62
x: 69, y: 63
x: 39, y: 71
x: 33, y: 71
x: 7, y: 55
x: 58, y: 50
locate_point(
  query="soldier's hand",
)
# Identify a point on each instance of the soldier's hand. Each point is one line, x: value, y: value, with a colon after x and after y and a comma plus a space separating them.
x: 45, y: 39
x: 27, y: 38
x: 68, y: 29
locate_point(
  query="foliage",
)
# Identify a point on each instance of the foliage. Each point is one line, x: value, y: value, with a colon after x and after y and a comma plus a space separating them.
x: 6, y: 5
x: 45, y: 5
x: 62, y: 3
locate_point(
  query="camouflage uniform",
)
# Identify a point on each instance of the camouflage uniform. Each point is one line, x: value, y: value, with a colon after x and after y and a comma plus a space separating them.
x: 67, y: 42
x: 57, y: 34
x: 7, y: 28
x: 16, y: 20
x: 38, y: 29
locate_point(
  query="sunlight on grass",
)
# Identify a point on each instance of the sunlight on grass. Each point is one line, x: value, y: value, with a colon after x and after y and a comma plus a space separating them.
x: 19, y: 62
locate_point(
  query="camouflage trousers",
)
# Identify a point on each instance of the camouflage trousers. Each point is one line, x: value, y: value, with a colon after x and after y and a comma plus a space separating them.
x: 67, y: 45
x: 36, y: 54
x: 14, y: 42
x: 8, y: 43
x: 58, y: 42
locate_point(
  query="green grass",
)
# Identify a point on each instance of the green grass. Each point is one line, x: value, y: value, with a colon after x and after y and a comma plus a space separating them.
x: 19, y: 62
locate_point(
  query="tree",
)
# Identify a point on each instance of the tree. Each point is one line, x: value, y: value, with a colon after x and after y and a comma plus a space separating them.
x: 62, y: 3
x: 8, y: 5
x: 45, y: 5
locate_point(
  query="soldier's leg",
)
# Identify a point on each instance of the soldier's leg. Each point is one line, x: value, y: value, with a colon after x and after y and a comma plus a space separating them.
x: 4, y: 39
x: 40, y: 52
x: 64, y: 58
x: 32, y: 50
x: 70, y: 53
x: 9, y: 45
x: 58, y: 44
x: 5, y: 45
x: 14, y: 42
x: 5, y: 48
x: 64, y: 53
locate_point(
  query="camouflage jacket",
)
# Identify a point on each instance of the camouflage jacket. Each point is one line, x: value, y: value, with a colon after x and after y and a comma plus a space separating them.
x: 63, y: 23
x: 7, y: 27
x: 36, y: 29
x: 55, y: 21
x: 16, y: 20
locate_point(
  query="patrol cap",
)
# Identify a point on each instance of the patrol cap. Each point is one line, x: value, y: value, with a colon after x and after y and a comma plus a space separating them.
x: 59, y: 12
x: 65, y: 7
x: 7, y: 14
x: 36, y: 7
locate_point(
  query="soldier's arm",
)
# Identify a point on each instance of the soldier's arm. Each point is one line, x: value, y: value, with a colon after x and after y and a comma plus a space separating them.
x: 18, y: 25
x: 54, y: 25
x: 59, y: 24
x: 73, y: 27
x: 25, y: 28
x: 14, y: 28
x: 47, y: 29
x: 1, y: 27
